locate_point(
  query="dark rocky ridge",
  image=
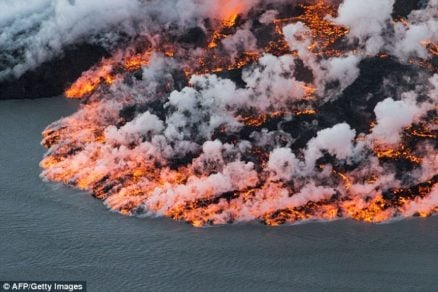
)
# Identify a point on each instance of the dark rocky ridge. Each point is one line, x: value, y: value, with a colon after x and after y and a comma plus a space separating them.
x: 52, y: 77
x: 402, y: 8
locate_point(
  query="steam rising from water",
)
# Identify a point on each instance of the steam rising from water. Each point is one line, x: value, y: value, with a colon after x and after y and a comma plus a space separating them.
x: 244, y: 125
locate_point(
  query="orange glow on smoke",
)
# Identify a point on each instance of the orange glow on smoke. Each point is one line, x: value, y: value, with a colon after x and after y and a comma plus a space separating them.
x: 229, y: 10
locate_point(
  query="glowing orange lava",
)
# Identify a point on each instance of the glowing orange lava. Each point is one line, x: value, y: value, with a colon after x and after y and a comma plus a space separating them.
x: 136, y: 167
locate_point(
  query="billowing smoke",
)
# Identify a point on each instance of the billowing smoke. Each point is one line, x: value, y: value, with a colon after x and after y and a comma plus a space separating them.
x: 367, y: 22
x: 35, y: 31
x: 420, y: 37
x: 214, y: 112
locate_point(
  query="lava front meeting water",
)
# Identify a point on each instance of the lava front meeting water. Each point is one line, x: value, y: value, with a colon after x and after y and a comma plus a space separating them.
x: 279, y: 112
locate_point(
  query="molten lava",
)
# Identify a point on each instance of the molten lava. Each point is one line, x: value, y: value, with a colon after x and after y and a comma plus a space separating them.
x: 219, y: 135
x: 90, y: 80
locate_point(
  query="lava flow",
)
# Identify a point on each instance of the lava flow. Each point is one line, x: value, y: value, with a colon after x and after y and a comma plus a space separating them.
x: 280, y: 112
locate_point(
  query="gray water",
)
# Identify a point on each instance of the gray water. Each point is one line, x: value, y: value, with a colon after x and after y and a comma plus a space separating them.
x: 51, y: 232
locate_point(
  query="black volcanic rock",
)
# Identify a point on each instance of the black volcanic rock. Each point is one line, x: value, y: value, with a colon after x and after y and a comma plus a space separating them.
x: 195, y: 36
x: 357, y: 102
x: 402, y: 8
x: 52, y: 77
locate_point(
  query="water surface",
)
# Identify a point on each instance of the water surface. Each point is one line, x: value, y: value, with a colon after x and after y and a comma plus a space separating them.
x: 51, y: 232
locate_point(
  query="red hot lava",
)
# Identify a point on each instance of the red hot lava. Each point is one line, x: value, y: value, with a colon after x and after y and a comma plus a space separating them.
x: 233, y: 130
